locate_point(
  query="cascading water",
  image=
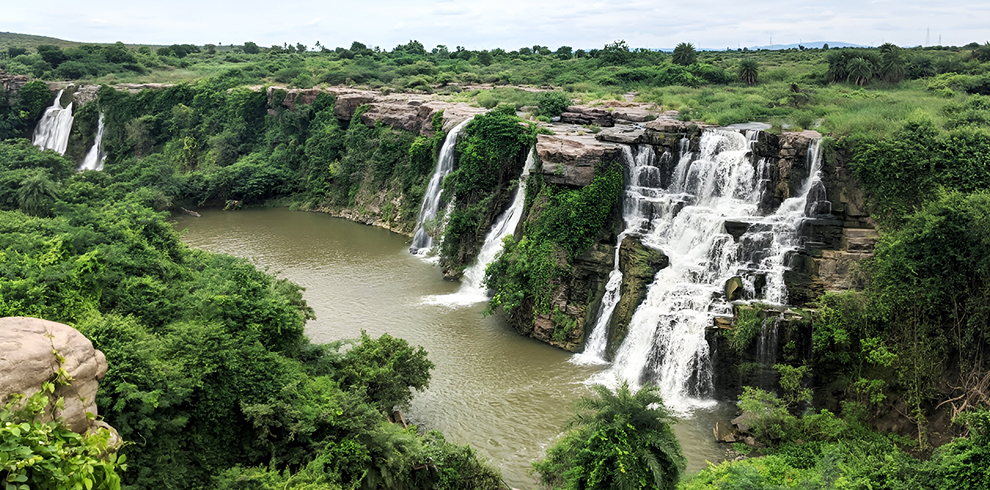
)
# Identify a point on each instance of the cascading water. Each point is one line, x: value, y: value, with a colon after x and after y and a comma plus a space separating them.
x: 52, y: 131
x: 766, y: 353
x: 666, y: 342
x: 471, y: 290
x: 95, y: 157
x: 642, y: 185
x: 427, y: 225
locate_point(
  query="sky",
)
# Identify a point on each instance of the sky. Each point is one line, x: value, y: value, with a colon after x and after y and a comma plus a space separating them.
x: 509, y: 24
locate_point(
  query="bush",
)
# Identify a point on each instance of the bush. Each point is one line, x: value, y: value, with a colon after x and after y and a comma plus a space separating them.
x: 553, y: 104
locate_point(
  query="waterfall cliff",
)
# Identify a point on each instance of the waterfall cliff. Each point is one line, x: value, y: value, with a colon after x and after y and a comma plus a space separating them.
x: 52, y: 131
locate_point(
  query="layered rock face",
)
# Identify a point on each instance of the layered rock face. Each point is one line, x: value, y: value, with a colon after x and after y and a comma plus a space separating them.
x: 408, y: 112
x: 571, y: 160
x: 32, y: 351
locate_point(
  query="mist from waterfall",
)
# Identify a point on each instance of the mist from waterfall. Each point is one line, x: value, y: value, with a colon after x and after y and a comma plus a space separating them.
x: 95, y: 157
x: 472, y: 290
x: 429, y: 224
x: 666, y: 343
x: 52, y: 131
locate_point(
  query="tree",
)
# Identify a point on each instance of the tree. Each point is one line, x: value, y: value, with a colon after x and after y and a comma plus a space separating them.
x: 685, y: 54
x: 617, y: 439
x: 859, y: 71
x: 388, y: 367
x: 564, y: 53
x: 15, y: 52
x: 615, y: 53
x: 251, y: 48
x: 553, y: 104
x: 892, y: 66
x: 37, y: 194
x: 749, y: 71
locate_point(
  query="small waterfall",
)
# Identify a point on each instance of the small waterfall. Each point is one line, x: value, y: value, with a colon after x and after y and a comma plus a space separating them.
x: 472, y: 291
x: 666, y: 343
x: 766, y: 353
x: 95, y: 157
x: 427, y: 226
x: 52, y: 132
x: 643, y: 182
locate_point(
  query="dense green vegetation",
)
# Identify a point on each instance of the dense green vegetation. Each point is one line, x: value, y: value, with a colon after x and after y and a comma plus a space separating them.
x: 211, y: 379
x: 561, y: 225
x: 490, y: 157
x: 48, y: 455
x: 617, y: 440
x: 92, y: 250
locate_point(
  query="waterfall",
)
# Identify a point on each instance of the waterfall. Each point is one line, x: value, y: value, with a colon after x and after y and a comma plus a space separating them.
x: 666, y: 342
x: 766, y: 353
x: 427, y: 226
x: 642, y: 185
x: 94, y: 158
x: 472, y: 291
x: 52, y: 132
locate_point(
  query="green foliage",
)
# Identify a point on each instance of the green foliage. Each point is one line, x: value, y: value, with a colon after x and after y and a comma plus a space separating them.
x: 553, y: 104
x: 490, y: 158
x: 617, y: 439
x: 685, y: 54
x: 563, y: 223
x: 388, y: 367
x: 749, y: 71
x: 748, y: 321
x: 49, y: 456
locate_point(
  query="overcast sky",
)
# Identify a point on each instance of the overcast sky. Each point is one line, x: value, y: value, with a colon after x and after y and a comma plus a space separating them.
x: 509, y: 24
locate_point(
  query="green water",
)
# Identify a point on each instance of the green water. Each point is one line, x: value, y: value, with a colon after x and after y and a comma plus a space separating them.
x: 506, y: 395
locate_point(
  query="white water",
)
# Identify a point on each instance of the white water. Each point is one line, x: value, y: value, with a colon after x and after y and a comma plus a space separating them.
x: 666, y: 342
x: 52, y: 131
x: 427, y: 226
x: 472, y: 290
x: 642, y: 184
x: 95, y: 157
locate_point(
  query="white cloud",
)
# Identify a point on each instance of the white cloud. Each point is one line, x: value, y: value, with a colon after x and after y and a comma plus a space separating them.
x: 505, y: 23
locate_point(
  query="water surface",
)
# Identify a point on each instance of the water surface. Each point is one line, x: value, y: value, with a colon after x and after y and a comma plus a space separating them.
x: 506, y: 395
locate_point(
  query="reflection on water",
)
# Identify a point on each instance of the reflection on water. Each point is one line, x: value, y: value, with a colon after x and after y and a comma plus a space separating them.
x: 506, y: 395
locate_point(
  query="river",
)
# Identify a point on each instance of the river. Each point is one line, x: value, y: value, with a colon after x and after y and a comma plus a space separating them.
x: 506, y: 395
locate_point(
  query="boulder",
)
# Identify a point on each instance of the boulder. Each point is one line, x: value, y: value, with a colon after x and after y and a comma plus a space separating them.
x: 571, y: 160
x: 33, y: 350
x: 734, y: 288
x: 626, y: 135
x: 579, y: 114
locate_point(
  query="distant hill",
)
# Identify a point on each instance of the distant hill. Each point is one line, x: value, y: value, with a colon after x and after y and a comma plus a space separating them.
x: 816, y: 44
x: 30, y: 41
x: 11, y: 39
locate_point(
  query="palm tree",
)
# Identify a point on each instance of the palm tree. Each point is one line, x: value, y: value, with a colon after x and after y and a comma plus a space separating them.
x: 684, y: 54
x: 892, y: 67
x: 618, y: 439
x: 859, y: 71
x: 749, y: 71
x: 36, y: 194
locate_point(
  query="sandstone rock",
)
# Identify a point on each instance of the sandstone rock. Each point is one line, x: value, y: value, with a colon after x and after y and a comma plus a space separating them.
x: 639, y: 264
x: 348, y: 103
x: 626, y: 135
x: 571, y: 160
x: 579, y: 114
x: 27, y: 361
x: 13, y: 83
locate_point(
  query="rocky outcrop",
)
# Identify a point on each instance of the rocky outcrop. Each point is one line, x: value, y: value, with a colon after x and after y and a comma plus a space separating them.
x: 571, y: 160
x: 586, y: 115
x: 639, y: 264
x: 33, y: 351
x: 12, y: 83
